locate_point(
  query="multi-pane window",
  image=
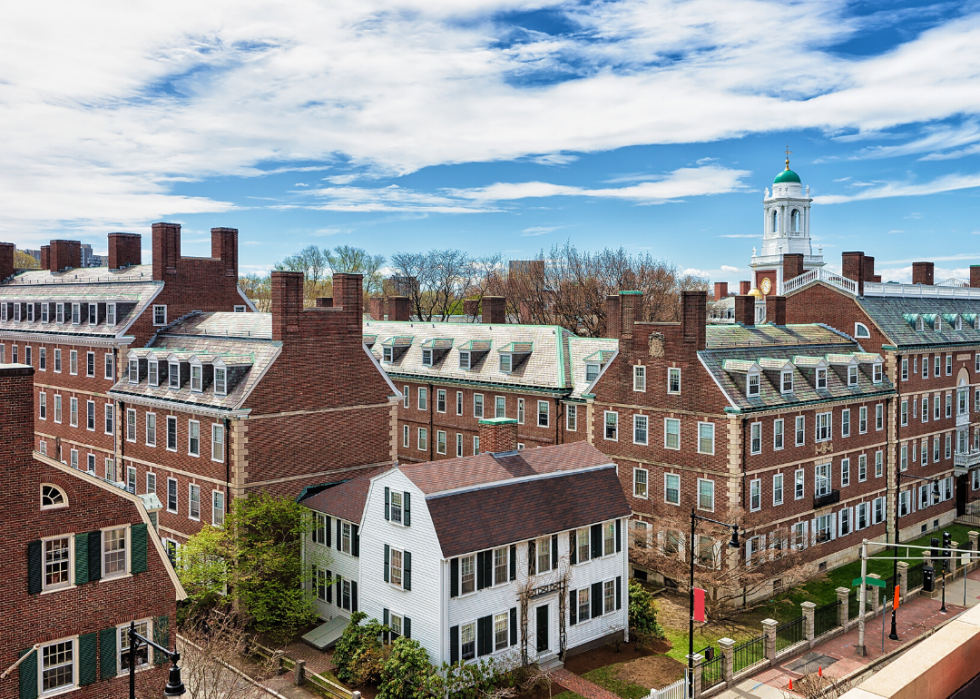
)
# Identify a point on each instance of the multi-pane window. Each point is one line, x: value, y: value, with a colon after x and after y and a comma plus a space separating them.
x: 777, y: 489
x: 193, y: 437
x: 57, y: 408
x: 459, y: 443
x: 755, y: 436
x: 173, y: 374
x: 171, y: 433
x: 925, y: 452
x: 821, y: 482
x: 467, y: 641
x: 57, y: 563
x: 407, y: 396
x: 159, y: 315
x: 130, y: 425
x: 755, y: 494
x: 220, y: 381
x: 467, y: 574
x: 440, y: 441
x: 800, y: 430
x: 459, y: 402
x: 197, y: 378
x: 89, y: 364
x: 217, y: 508
x: 395, y: 507
x: 113, y: 552
x: 903, y: 458
x: 76, y: 313
x: 520, y: 411
x: 905, y: 413
x: 543, y: 413
x: 543, y: 556
x: 845, y: 522
x: 171, y: 495
x: 57, y: 666
x: 500, y: 637
x: 706, y: 495
x: 73, y: 412
x: 879, y: 417
x: 608, y: 596
x: 609, y: 534
x: 134, y: 370
x: 824, y: 427
x: 752, y: 385
x: 852, y: 376
x: 925, y: 408
x: 935, y: 449
x: 949, y: 362
x: 441, y: 401
x: 640, y: 378
x: 396, y: 568
x: 876, y: 373
x: 845, y: 472
x: 777, y: 434
x: 640, y: 431
x: 798, y: 484
x: 610, y: 426
x: 640, y: 482
x: 949, y: 405
x: 42, y: 405
x: 217, y: 442
x: 821, y: 378
x: 879, y: 464
x: 786, y: 383
x: 109, y: 366
x: 862, y: 419
x: 423, y: 439
x: 672, y: 433
x: 672, y: 488
x: 823, y: 528
x: 42, y: 359
x: 706, y: 438
x: 194, y: 501
x: 583, y: 604
x: 937, y: 360
x: 591, y: 372
x: 500, y: 562
x: 477, y: 405
x: 582, y: 545
x: 905, y: 368
x: 674, y: 380
x: 937, y: 407
x: 862, y: 468
x: 423, y: 400
x: 571, y: 417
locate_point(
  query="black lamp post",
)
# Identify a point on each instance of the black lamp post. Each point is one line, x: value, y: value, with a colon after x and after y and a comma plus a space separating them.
x: 175, y: 687
x: 690, y: 643
x: 898, y: 488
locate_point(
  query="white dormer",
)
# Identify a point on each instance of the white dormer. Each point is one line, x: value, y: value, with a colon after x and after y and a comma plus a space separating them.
x: 197, y: 375
x: 786, y: 381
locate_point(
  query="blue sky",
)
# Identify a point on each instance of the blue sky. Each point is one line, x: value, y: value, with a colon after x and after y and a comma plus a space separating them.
x: 496, y: 125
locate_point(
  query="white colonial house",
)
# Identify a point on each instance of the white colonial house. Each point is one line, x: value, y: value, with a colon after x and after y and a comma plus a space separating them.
x: 518, y: 553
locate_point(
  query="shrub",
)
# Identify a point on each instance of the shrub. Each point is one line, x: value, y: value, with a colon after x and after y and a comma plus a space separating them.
x: 358, y: 648
x: 407, y: 673
x: 643, y: 611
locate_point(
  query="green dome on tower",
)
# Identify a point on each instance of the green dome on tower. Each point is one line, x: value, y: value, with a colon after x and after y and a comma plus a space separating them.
x: 786, y: 175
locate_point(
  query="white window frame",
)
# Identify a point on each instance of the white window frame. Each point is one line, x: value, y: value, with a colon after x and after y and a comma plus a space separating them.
x: 799, y: 484
x: 192, y: 513
x: 641, y: 476
x: 192, y: 426
x: 217, y: 442
x: 126, y: 542
x: 571, y: 417
x: 546, y: 413
x: 755, y: 494
x: 673, y: 372
x: 41, y: 667
x: 711, y: 427
x: 667, y: 489
x: 159, y: 315
x: 668, y: 422
x: 478, y: 406
x: 800, y: 423
x: 606, y: 425
x: 70, y: 582
x: 824, y: 426
x: 172, y: 419
x: 217, y: 508
x: 699, y: 495
x: 778, y: 434
x: 640, y: 378
x: 109, y: 417
x: 173, y: 487
x: 845, y: 472
x: 777, y: 488
x: 638, y: 431
x: 130, y: 424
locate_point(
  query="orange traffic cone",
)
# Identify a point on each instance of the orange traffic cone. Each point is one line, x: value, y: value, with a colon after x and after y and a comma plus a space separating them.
x: 819, y: 672
x: 791, y: 684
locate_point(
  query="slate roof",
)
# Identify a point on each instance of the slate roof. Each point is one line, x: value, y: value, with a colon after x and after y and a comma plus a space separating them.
x: 889, y: 314
x: 722, y: 336
x: 555, y: 359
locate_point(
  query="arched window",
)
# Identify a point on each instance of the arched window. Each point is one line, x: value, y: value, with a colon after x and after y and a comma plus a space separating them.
x: 861, y: 330
x: 775, y: 221
x: 939, y: 323
x: 52, y: 497
x: 920, y: 324
x: 958, y: 323
x: 794, y: 221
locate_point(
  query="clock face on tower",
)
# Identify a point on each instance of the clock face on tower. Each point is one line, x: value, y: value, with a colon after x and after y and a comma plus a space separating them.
x: 766, y: 286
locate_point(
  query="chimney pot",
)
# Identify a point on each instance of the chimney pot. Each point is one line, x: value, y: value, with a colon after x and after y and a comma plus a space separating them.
x: 922, y: 273
x: 494, y: 311
x: 745, y: 310
x: 498, y: 434
x: 721, y: 290
x: 776, y: 310
x: 744, y: 288
x: 125, y: 250
x: 400, y: 309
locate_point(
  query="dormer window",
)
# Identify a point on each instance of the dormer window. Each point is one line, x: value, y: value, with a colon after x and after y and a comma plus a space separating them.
x: 852, y: 376
x: 822, y: 379
x: 786, y: 380
x: 920, y: 324
x: 3, y: 311
x: 197, y: 378
x: 426, y: 357
x: 110, y: 314
x: 876, y: 373
x: 17, y: 311
x: 174, y: 371
x: 591, y: 372
x: 387, y: 354
x: 93, y: 314
x: 220, y: 381
x: 976, y: 321
x: 59, y: 316
x: 153, y: 372
x: 44, y: 313
x: 134, y: 370
x: 30, y: 313
x: 939, y: 323
x: 506, y: 363
x: 861, y: 331
x: 958, y: 323
x: 76, y: 313
x: 464, y: 360
x: 752, y: 385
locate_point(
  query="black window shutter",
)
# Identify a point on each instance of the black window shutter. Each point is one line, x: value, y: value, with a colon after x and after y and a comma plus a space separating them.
x: 513, y: 561
x: 407, y: 627
x: 596, y: 541
x: 107, y: 652
x: 385, y: 618
x: 329, y: 587
x: 572, y: 552
x: 453, y: 645
x: 619, y: 592
x: 530, y: 558
x: 340, y: 531
x: 596, y: 600
x: 554, y: 551
x: 484, y: 629
x: 573, y: 607
x: 87, y: 665
x: 387, y: 556
x: 95, y: 555
x: 35, y: 578
x: 407, y: 570
x: 28, y: 674
x: 513, y: 626
x: 340, y: 592
x: 480, y: 571
x: 619, y: 535
x: 387, y: 502
x: 353, y: 595
x: 407, y: 509
x: 454, y: 580
x: 356, y: 543
x: 328, y: 527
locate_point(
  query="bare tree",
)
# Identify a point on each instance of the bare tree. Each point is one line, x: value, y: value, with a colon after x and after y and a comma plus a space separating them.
x: 258, y: 290
x: 314, y: 263
x: 358, y: 261
x: 436, y: 281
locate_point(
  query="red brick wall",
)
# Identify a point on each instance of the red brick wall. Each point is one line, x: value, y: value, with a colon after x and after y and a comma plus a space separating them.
x: 821, y: 304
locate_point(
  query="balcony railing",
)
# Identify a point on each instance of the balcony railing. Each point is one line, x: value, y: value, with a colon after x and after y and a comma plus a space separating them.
x: 966, y: 459
x: 831, y: 498
x: 822, y: 275
x: 920, y: 291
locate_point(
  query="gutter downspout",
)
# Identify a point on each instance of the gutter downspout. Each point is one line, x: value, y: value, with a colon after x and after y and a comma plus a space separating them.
x: 227, y: 467
x: 430, y: 400
x: 744, y: 469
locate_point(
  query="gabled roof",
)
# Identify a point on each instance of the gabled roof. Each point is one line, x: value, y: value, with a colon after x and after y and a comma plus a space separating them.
x: 895, y: 316
x: 344, y: 499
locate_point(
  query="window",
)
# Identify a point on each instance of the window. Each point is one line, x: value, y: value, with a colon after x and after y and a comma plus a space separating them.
x: 395, y: 507
x: 114, y: 552
x: 542, y: 563
x: 609, y: 596
x: 925, y: 452
x: 672, y: 488
x: 134, y: 370
x: 777, y: 489
x: 72, y: 361
x: 937, y: 360
x: 441, y: 401
x: 520, y: 411
x: 879, y: 511
x: 44, y: 312
x: 73, y: 412
x: 949, y: 443
x: 640, y: 482
x: 500, y: 406
x: 193, y: 437
x: 905, y: 368
x: 640, y: 379
x: 925, y: 408
x: 172, y: 495
x: 500, y: 631
x: 467, y: 574
x: 543, y: 415
x: 76, y: 313
x: 459, y: 402
x: 876, y: 374
x: 467, y: 641
x: 464, y: 360
x: 861, y: 517
x: 935, y: 449
x: 89, y: 364
x: 611, y: 426
x: 862, y: 468
x: 57, y: 408
x: 777, y: 434
x: 821, y: 378
x: 440, y: 441
x: 925, y: 365
x: 60, y: 313
x: 949, y: 361
x: 57, y: 360
x: 823, y: 528
x: 477, y: 405
x: 500, y: 562
x: 130, y: 425
x: 798, y: 536
x: 672, y: 433
x: 706, y: 438
x: 109, y: 419
x: 42, y: 359
x: 852, y: 376
x: 151, y: 483
x: 879, y: 417
x: 459, y: 444
x: 905, y: 413
x: 844, y: 527
x: 171, y: 433
x: 609, y: 534
x: 755, y: 495
x: 786, y: 382
x: 74, y: 458
x: 173, y: 373
x: 476, y: 446
x: 423, y: 439
x: 571, y: 417
x: 756, y: 438
x: 42, y: 405
x: 879, y: 463
x: 862, y: 419
x: 706, y: 495
x: 937, y: 407
x: 641, y: 532
x: 949, y: 405
x: 407, y: 397
x: 583, y: 604
x: 800, y: 430
x: 640, y: 424
x: 197, y: 378
x: 159, y: 315
x: 824, y: 431
x: 903, y: 458
x: 426, y: 357
x: 583, y: 545
x: 845, y: 472
x: 506, y: 363
x: 57, y: 662
x: 798, y: 492
x: 110, y: 313
x: 591, y: 372
x: 217, y: 508
x: 57, y: 563
x: 673, y: 380
x: 821, y: 481
x: 752, y: 385
x: 396, y: 569
x: 346, y: 537
x: 423, y: 401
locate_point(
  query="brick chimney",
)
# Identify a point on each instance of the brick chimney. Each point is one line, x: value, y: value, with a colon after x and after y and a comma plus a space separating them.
x: 45, y: 257
x: 400, y: 309
x: 166, y: 249
x: 498, y: 434
x: 471, y: 308
x: 852, y: 267
x: 224, y: 247
x: 612, y: 315
x: 287, y: 302
x: 378, y: 308
x: 721, y: 290
x: 65, y: 254
x: 922, y: 273
x: 975, y: 276
x: 494, y: 311
x: 17, y: 409
x: 630, y: 311
x: 744, y: 288
x: 792, y: 266
x: 745, y: 310
x: 324, y: 302
x: 868, y: 265
x: 776, y: 309
x: 348, y: 292
x: 125, y: 250
x: 694, y: 317
x: 6, y: 260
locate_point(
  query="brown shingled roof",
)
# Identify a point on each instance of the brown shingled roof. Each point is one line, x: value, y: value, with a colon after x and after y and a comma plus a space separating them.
x: 345, y: 500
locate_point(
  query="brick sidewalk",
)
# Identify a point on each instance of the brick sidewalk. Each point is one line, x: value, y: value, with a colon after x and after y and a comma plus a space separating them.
x: 579, y: 685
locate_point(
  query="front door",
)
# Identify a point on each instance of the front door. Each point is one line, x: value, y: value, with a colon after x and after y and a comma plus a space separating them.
x: 541, y: 629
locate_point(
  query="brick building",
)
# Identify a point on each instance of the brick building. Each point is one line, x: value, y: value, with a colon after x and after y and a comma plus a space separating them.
x: 75, y: 326
x: 81, y: 559
x: 452, y: 375
x: 220, y: 404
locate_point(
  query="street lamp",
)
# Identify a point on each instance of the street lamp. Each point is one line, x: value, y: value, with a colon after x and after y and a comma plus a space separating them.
x: 733, y: 543
x: 898, y: 488
x: 175, y: 687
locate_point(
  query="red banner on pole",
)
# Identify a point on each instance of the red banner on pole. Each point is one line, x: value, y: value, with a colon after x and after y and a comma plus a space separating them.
x: 698, y: 604
x: 898, y: 591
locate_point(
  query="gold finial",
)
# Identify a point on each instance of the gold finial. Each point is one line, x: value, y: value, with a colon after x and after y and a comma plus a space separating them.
x: 788, y: 153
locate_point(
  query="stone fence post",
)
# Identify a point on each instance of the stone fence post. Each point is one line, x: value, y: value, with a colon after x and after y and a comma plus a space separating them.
x: 769, y: 631
x: 299, y: 673
x: 974, y: 540
x: 953, y: 560
x: 808, y: 608
x: 903, y: 580
x: 727, y: 646
x: 874, y: 594
x: 842, y: 608
x: 696, y: 679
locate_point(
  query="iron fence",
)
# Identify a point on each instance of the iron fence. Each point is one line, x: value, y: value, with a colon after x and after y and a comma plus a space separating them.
x: 854, y: 603
x: 915, y: 576
x: 749, y: 653
x: 790, y: 633
x: 825, y: 618
x: 711, y: 673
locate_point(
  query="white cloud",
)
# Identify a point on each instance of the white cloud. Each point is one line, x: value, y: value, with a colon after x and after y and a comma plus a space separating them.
x: 947, y: 183
x: 538, y: 230
x: 328, y: 231
x: 340, y: 179
x: 554, y: 159
x: 301, y: 184
x: 729, y: 268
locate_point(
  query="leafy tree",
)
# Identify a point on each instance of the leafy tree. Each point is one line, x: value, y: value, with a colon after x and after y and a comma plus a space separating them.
x: 407, y: 673
x: 258, y: 289
x: 358, y: 644
x: 24, y: 261
x: 643, y: 611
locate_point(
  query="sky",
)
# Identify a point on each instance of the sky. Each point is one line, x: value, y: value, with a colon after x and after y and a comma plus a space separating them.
x: 495, y: 126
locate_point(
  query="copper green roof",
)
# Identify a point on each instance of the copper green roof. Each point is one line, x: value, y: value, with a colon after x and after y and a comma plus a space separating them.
x: 786, y: 175
x: 896, y: 316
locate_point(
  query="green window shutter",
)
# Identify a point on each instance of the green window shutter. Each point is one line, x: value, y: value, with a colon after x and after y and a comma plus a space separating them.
x: 137, y: 560
x: 87, y: 662
x: 619, y: 592
x: 407, y: 571
x: 407, y: 510
x: 387, y: 503
x: 619, y: 535
x: 329, y: 530
x: 356, y: 541
x: 161, y: 635
x: 340, y: 531
x: 572, y: 548
x: 35, y: 576
x: 596, y: 541
x: 513, y: 562
x: 95, y: 556
x: 107, y: 653
x: 407, y: 627
x: 554, y: 551
x: 454, y: 578
x: 27, y: 672
x: 480, y: 571
x: 330, y: 587
x: 353, y: 595
x: 387, y: 558
x: 453, y: 644
x: 81, y: 559
x: 484, y: 635
x: 596, y: 600
x: 572, y: 607
x: 513, y: 626
x: 384, y: 622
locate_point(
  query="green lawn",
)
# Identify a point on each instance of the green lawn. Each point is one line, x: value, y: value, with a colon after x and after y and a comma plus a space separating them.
x: 606, y: 677
x: 702, y: 638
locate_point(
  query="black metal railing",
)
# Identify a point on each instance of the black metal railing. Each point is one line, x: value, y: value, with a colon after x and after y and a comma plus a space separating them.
x: 790, y: 633
x: 831, y: 498
x: 708, y: 653
x: 915, y: 576
x: 825, y: 618
x: 711, y: 673
x: 749, y: 653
